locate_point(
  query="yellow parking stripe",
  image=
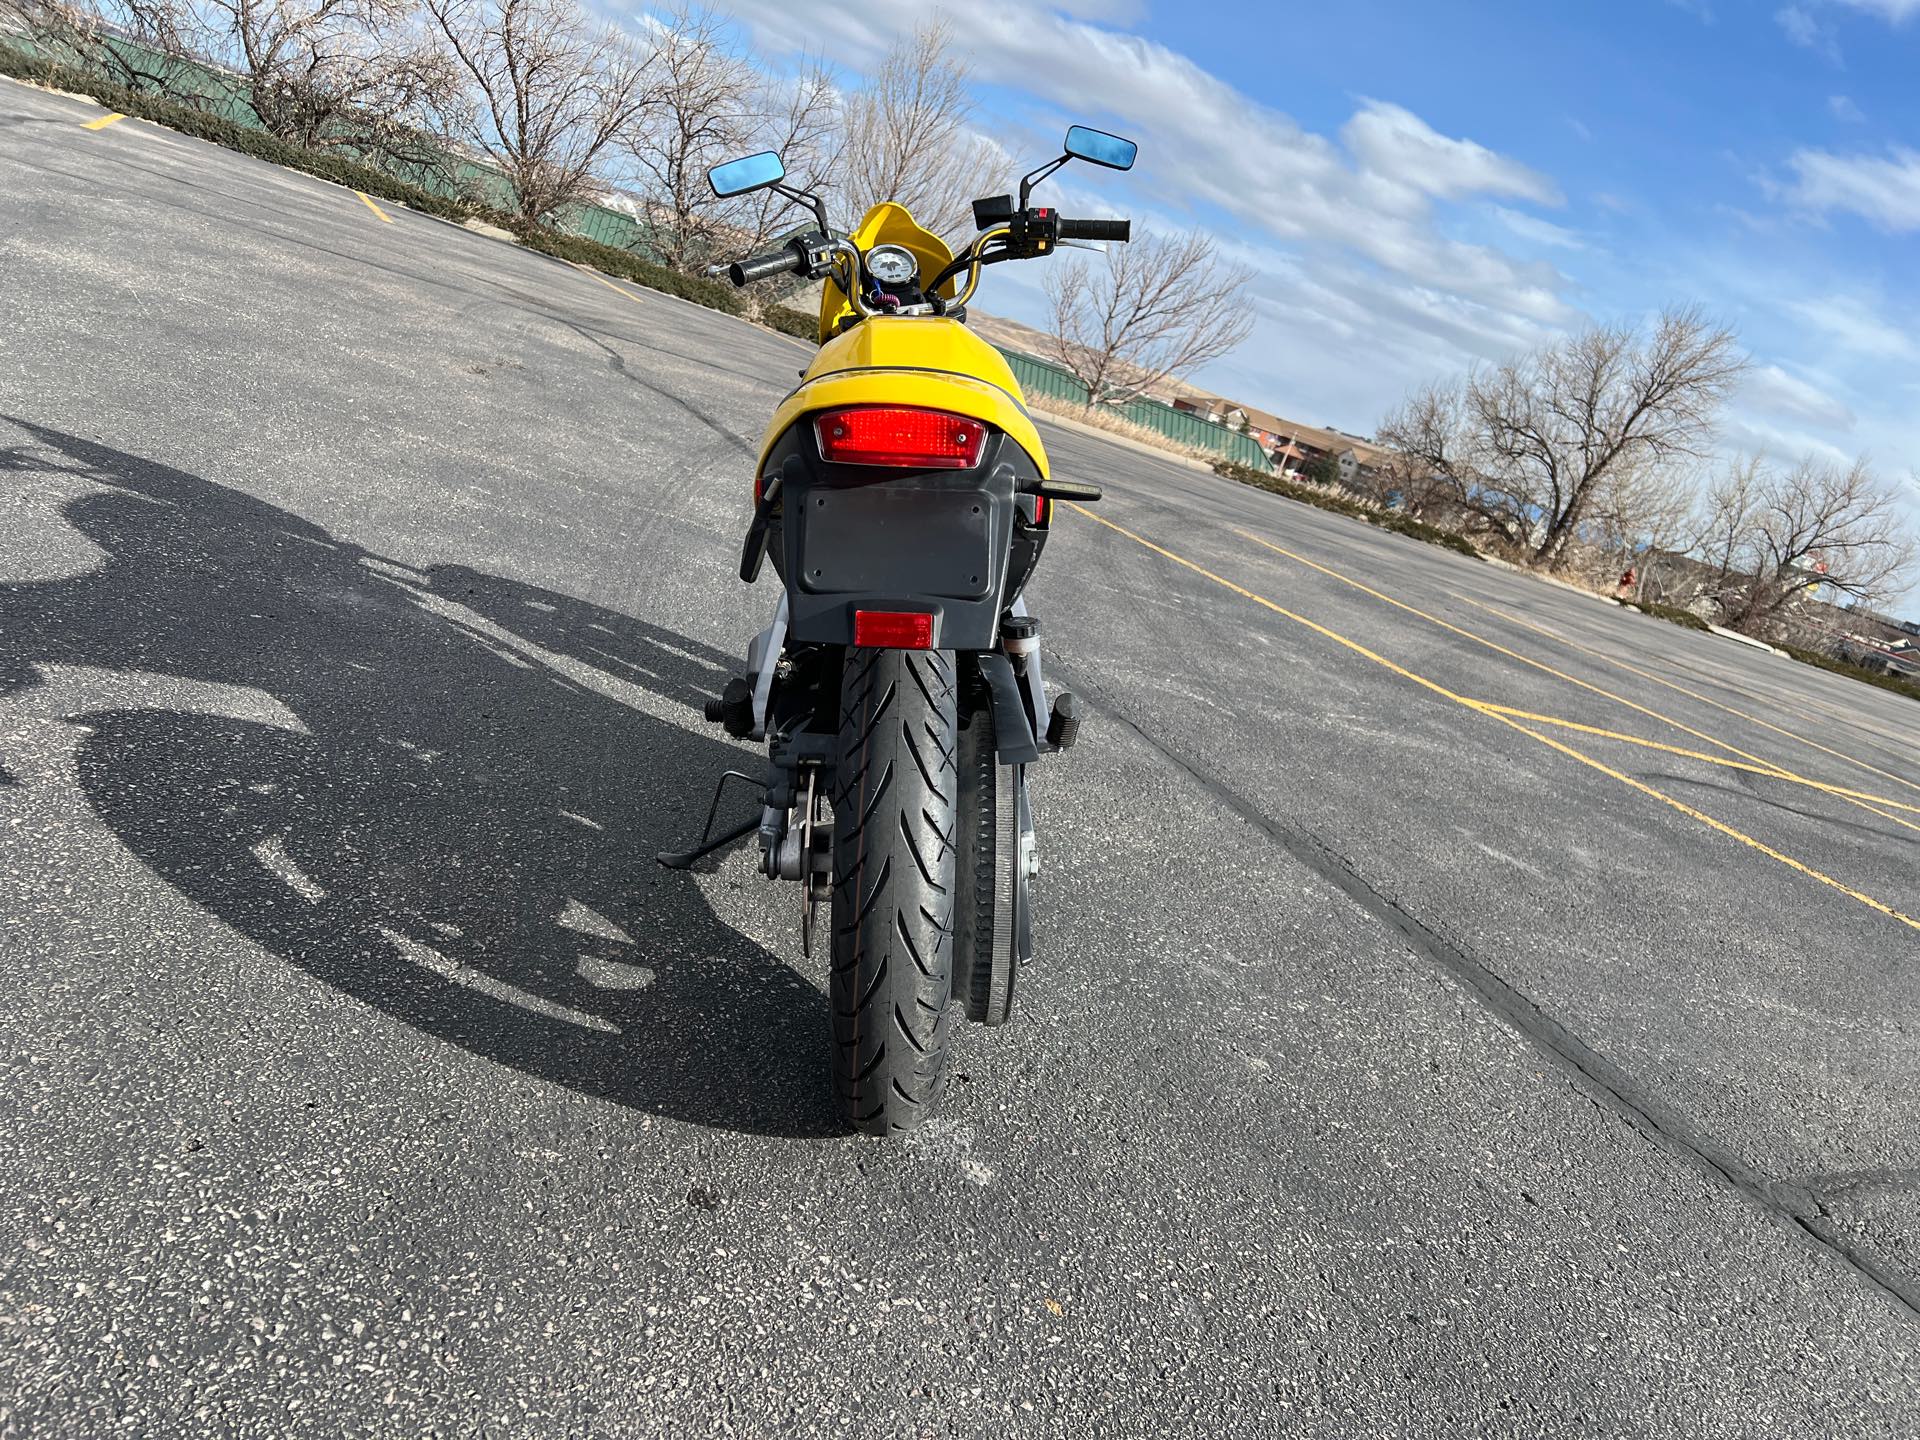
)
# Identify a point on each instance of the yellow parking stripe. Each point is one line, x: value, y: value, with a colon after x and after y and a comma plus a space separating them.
x: 1481, y: 709
x: 617, y: 289
x: 1558, y: 674
x: 1764, y: 770
x: 1691, y: 694
x: 367, y: 200
x: 104, y: 121
x: 1708, y: 820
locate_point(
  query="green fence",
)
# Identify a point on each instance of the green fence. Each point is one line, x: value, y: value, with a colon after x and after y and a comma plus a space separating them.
x: 446, y: 174
x: 1040, y: 377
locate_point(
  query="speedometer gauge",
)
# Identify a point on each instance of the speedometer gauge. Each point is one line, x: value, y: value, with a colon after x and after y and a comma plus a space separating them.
x: 892, y: 265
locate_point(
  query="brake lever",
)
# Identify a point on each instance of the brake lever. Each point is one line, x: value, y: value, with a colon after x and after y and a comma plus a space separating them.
x: 1098, y: 247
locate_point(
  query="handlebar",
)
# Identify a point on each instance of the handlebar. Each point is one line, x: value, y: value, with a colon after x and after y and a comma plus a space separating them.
x: 762, y: 267
x: 1117, y: 230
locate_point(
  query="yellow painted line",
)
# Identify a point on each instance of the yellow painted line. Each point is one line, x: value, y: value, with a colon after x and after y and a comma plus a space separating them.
x: 1558, y: 674
x: 1763, y: 770
x: 1708, y: 820
x: 367, y: 200
x: 617, y: 289
x: 1682, y: 689
x: 1246, y: 594
x: 104, y: 121
x: 1481, y: 709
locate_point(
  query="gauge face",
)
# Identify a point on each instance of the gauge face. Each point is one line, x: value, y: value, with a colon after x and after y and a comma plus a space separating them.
x: 892, y: 266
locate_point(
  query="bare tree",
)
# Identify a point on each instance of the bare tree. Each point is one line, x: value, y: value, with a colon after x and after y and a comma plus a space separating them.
x: 711, y: 103
x: 1432, y: 462
x: 1640, y: 518
x: 94, y: 37
x: 1816, y: 524
x: 1556, y: 424
x: 1728, y: 516
x: 362, y: 74
x: 1159, y: 308
x: 549, y: 91
x: 799, y: 120
x: 706, y: 94
x: 904, y: 136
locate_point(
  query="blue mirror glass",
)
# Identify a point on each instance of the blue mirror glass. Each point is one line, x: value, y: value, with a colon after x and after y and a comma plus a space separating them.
x: 1101, y: 148
x: 754, y: 172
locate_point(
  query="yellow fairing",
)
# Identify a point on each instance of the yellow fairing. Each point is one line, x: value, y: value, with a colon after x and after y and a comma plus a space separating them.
x: 886, y: 224
x: 926, y: 361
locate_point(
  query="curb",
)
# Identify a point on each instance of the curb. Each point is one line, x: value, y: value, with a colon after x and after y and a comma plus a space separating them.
x: 1748, y: 640
x: 1571, y: 589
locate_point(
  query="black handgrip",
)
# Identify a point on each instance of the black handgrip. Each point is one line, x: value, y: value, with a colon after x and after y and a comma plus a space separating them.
x: 761, y: 267
x: 1121, y: 230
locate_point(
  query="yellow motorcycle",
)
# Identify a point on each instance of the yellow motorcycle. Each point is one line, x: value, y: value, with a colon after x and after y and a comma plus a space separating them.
x: 903, y: 494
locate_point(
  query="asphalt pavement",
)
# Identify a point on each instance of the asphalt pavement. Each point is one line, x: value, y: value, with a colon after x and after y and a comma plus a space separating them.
x: 1462, y: 1007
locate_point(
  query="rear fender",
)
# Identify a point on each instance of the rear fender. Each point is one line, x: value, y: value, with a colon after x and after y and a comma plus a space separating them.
x: 954, y: 544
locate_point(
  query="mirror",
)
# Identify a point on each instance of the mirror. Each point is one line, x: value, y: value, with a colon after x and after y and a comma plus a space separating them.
x: 1101, y: 148
x: 753, y: 172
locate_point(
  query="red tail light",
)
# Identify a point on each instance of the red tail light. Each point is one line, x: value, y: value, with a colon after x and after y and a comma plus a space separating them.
x: 893, y: 629
x: 900, y: 438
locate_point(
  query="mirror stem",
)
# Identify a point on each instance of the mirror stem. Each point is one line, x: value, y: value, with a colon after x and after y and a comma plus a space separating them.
x: 1033, y: 178
x: 811, y: 201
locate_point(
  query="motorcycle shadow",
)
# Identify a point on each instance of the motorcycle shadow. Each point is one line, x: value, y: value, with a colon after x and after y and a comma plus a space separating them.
x: 452, y: 808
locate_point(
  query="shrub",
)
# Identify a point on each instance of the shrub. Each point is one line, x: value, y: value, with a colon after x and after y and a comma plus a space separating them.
x: 1398, y: 522
x: 1898, y: 684
x: 624, y: 263
x: 789, y: 321
x: 1672, y: 614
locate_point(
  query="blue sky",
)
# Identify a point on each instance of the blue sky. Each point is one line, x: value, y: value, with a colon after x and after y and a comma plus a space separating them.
x: 1420, y: 187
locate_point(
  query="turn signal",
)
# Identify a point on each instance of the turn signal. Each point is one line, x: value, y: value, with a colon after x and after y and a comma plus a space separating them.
x: 893, y: 629
x: 900, y: 438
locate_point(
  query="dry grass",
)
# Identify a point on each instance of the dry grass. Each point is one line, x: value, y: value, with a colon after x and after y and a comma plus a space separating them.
x: 1115, y: 425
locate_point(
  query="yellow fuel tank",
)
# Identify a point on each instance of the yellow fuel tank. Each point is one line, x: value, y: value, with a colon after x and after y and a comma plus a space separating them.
x: 927, y: 361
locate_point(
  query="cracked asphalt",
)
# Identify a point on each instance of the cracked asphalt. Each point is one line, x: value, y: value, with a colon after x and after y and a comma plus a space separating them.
x: 1400, y: 1060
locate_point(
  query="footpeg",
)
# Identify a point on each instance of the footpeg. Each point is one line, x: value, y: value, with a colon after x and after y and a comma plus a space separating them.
x: 1063, y: 726
x: 734, y: 709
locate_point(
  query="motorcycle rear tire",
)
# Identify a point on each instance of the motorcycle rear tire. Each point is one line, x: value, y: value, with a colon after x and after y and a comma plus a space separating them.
x: 895, y: 815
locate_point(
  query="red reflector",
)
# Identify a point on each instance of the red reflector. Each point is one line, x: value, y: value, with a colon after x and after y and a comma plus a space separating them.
x: 893, y: 629
x: 907, y: 439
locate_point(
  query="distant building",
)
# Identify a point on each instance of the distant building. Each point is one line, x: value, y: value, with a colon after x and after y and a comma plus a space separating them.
x: 1290, y: 445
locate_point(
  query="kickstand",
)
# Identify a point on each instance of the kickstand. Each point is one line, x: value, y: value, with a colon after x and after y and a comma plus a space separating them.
x: 685, y: 859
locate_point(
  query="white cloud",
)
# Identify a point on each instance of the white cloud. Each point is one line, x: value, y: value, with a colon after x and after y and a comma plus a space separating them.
x: 1394, y: 146
x: 1806, y: 31
x: 1884, y: 189
x: 1860, y: 331
x: 1540, y: 232
x: 1775, y: 392
x: 1844, y: 110
x: 1897, y: 11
